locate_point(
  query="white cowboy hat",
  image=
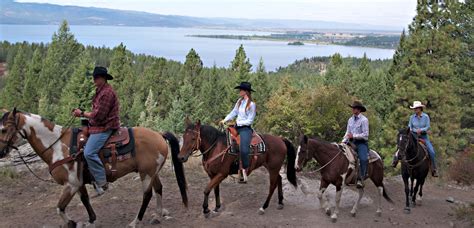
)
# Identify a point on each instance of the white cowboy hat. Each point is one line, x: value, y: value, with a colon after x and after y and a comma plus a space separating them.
x: 417, y: 104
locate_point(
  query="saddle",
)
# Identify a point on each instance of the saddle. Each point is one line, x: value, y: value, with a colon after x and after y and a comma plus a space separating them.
x: 119, y: 147
x: 353, y: 158
x: 257, y: 147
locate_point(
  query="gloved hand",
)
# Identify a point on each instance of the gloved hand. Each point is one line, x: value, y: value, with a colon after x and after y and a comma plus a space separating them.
x: 222, y: 122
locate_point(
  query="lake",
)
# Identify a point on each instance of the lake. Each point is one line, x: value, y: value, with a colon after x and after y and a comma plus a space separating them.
x: 173, y: 43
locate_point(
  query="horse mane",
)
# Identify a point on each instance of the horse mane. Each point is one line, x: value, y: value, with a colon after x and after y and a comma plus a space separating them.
x: 210, y: 132
x: 5, y: 116
x: 322, y: 141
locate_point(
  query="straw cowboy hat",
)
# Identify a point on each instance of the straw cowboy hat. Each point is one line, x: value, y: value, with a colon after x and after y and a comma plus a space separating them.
x: 417, y: 104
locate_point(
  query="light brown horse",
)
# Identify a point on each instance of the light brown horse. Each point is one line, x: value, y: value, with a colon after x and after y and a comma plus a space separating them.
x: 217, y: 161
x: 334, y: 170
x: 51, y: 143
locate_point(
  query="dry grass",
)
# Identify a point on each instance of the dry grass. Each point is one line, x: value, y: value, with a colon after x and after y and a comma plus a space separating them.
x: 463, y: 168
x: 8, y: 173
x: 465, y: 212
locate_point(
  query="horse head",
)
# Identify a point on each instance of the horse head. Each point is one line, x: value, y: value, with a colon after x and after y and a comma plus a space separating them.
x: 9, y: 132
x: 191, y: 140
x: 302, y: 154
x: 404, y: 142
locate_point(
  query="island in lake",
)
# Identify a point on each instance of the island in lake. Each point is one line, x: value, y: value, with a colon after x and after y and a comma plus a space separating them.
x: 388, y: 41
x: 296, y: 43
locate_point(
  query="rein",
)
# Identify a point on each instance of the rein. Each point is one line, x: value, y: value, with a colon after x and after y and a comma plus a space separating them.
x: 324, y: 166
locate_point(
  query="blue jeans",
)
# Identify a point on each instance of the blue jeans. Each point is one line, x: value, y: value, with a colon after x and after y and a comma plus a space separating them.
x: 91, y: 153
x: 363, y: 153
x: 245, y: 138
x: 429, y: 146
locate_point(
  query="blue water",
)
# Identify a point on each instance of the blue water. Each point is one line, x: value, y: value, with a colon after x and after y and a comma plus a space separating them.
x: 173, y: 43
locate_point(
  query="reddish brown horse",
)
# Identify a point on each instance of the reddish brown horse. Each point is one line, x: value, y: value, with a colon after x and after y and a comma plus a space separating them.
x: 335, y: 167
x: 51, y: 143
x: 217, y: 161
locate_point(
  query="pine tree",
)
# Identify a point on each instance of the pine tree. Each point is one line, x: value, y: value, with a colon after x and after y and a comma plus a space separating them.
x: 192, y: 65
x: 59, y: 64
x: 262, y: 87
x: 148, y: 116
x: 427, y: 73
x: 241, y: 65
x: 79, y: 90
x: 124, y: 81
x: 30, y: 93
x: 14, y: 87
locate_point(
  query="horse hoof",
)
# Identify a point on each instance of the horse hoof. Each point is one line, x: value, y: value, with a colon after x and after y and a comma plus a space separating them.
x: 333, y: 219
x: 71, y: 224
x: 407, y: 210
x: 328, y: 212
x: 378, y: 213
x: 89, y: 225
x: 165, y: 212
x: 353, y: 214
x: 207, y: 215
x: 280, y: 206
x: 261, y: 211
x: 154, y: 221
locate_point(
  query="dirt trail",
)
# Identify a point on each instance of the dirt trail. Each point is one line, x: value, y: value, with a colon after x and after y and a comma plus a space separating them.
x: 28, y: 202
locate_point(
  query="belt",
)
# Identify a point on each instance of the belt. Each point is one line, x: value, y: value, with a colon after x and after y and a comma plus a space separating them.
x: 243, y: 126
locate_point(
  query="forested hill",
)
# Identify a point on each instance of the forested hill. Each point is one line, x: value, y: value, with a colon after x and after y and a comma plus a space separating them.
x: 37, y: 13
x: 432, y: 64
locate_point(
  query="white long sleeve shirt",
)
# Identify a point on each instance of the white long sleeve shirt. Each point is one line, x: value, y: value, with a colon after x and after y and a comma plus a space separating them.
x: 244, y: 117
x: 358, y: 126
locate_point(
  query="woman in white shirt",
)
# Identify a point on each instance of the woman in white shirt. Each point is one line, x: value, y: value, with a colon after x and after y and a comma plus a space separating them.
x: 245, y: 110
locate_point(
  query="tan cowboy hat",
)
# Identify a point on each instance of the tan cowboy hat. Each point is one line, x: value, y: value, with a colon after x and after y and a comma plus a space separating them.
x: 417, y: 104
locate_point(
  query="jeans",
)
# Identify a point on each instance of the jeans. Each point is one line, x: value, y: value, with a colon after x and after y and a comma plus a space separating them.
x: 430, y: 148
x: 363, y: 153
x: 245, y: 138
x: 91, y: 153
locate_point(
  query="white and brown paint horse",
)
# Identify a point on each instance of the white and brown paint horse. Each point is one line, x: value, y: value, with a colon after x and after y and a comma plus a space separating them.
x: 334, y: 170
x: 51, y: 143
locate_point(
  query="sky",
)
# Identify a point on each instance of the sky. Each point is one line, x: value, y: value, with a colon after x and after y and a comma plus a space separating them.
x: 394, y: 13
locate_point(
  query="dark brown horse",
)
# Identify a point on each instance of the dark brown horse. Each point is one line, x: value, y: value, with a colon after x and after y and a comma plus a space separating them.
x: 217, y: 161
x: 415, y: 166
x: 52, y: 142
x: 334, y: 170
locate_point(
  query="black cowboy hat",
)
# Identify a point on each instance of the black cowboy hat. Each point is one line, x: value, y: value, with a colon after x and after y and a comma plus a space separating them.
x: 359, y: 105
x: 101, y: 71
x: 245, y: 86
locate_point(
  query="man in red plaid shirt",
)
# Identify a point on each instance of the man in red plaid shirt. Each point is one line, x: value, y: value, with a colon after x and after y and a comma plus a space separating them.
x: 103, y: 120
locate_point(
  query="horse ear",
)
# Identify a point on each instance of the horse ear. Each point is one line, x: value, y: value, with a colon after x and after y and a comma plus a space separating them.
x: 198, y: 124
x: 305, y: 139
x: 187, y: 121
x: 14, y: 111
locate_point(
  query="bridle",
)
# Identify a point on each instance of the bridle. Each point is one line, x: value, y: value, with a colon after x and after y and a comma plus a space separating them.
x: 9, y: 141
x: 404, y: 154
x: 197, y: 145
x: 308, y: 157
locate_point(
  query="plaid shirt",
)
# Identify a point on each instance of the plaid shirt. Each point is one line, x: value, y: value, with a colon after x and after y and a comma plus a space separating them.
x: 105, y: 110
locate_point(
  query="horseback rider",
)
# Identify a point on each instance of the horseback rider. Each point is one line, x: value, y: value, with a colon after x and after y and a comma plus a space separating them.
x: 245, y: 110
x: 358, y: 133
x: 103, y: 121
x: 419, y: 125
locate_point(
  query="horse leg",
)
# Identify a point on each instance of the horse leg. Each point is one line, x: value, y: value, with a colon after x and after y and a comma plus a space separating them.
x: 273, y: 184
x: 160, y: 211
x: 217, y: 179
x: 322, y: 198
x: 412, y: 201
x: 407, y: 195
x: 218, y: 198
x: 85, y: 201
x: 338, y: 201
x: 66, y: 197
x: 377, y: 178
x: 280, y: 193
x: 415, y: 192
x: 147, y: 194
x: 422, y: 182
x: 356, y: 205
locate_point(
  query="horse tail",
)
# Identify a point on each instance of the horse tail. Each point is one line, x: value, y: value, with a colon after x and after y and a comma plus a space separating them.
x: 385, y: 195
x: 290, y: 165
x: 178, y: 166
